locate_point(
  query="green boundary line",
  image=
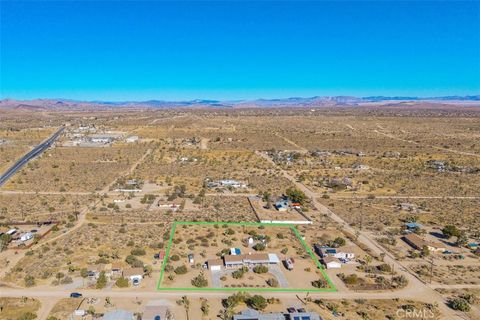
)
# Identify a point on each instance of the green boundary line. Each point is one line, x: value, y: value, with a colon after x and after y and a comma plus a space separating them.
x: 331, y: 287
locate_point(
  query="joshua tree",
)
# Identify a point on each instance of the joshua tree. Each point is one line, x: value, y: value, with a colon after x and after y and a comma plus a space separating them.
x: 186, y: 305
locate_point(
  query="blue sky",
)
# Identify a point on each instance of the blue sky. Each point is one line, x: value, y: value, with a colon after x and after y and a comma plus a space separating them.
x: 233, y: 50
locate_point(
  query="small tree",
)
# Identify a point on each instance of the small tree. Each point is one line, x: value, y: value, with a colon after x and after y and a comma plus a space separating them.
x: 257, y: 302
x: 200, y: 281
x: 460, y: 304
x: 259, y: 246
x: 450, y: 231
x: 273, y: 282
x: 260, y: 269
x: 29, y: 281
x: 296, y: 195
x: 122, y: 282
x: 339, y: 242
x: 181, y: 269
x: 186, y: 305
x: 102, y: 281
x: 205, y: 308
x: 28, y: 316
x: 320, y: 283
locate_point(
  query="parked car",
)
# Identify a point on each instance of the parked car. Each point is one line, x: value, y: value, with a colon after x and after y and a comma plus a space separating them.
x: 75, y: 295
x: 291, y: 310
x: 135, y: 282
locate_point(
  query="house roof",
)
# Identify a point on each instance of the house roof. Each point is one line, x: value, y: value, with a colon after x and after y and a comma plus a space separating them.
x: 415, y: 241
x: 118, y: 315
x: 151, y: 312
x: 116, y: 265
x: 330, y: 259
x: 419, y: 243
x: 234, y: 259
x: 412, y: 225
x: 254, y: 257
x: 215, y: 262
x: 132, y: 272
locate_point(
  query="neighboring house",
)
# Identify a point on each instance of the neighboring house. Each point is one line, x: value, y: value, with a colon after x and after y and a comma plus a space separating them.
x: 345, y: 255
x: 296, y: 205
x: 324, y: 251
x: 361, y: 167
x: 281, y: 205
x: 131, y: 139
x: 232, y: 183
x: 133, y: 274
x: 331, y: 263
x: 235, y: 251
x: 116, y: 269
x: 412, y: 226
x: 26, y: 236
x: 155, y: 312
x: 250, y: 314
x: 118, y: 315
x: 472, y: 245
x: 418, y: 243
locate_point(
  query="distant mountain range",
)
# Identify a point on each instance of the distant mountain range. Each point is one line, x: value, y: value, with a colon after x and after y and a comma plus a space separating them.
x: 317, y: 101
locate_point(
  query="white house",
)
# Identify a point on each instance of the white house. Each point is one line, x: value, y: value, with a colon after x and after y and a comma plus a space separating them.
x: 133, y: 274
x: 344, y: 255
x: 131, y: 139
x: 215, y: 264
x: 26, y: 236
x: 331, y: 263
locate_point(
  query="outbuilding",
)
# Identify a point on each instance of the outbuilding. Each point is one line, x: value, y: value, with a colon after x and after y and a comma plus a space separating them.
x: 331, y: 263
x: 26, y: 236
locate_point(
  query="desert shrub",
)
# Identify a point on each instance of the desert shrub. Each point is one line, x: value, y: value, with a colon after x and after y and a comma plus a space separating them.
x: 27, y: 316
x: 138, y: 252
x: 175, y: 257
x: 102, y: 281
x: 200, y: 281
x: 238, y: 274
x: 122, y: 282
x: 273, y: 282
x: 259, y: 246
x: 29, y: 281
x: 460, y: 304
x: 260, y: 269
x: 181, y: 269
x: 320, y: 283
x: 257, y: 302
x: 350, y: 279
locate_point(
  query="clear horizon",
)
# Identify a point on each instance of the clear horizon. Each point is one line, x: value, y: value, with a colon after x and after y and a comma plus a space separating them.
x: 119, y: 51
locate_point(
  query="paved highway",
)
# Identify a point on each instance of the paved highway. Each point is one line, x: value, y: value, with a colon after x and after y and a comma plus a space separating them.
x: 29, y: 156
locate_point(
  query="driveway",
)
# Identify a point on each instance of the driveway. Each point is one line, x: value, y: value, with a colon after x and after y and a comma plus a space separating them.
x: 275, y: 270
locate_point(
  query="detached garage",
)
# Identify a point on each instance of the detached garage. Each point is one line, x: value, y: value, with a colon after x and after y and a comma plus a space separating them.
x: 215, y: 264
x: 331, y: 263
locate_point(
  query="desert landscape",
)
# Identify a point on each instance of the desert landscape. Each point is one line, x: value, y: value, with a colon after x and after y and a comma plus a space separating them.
x: 381, y: 207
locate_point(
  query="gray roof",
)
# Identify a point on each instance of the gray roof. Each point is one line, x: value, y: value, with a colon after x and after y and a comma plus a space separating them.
x: 250, y: 314
x: 118, y: 315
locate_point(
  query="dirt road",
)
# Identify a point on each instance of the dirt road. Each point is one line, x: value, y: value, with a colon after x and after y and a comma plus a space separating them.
x: 415, y: 289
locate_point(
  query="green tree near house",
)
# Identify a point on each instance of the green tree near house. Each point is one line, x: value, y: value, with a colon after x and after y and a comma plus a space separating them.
x: 102, y: 281
x: 257, y: 302
x: 296, y: 195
